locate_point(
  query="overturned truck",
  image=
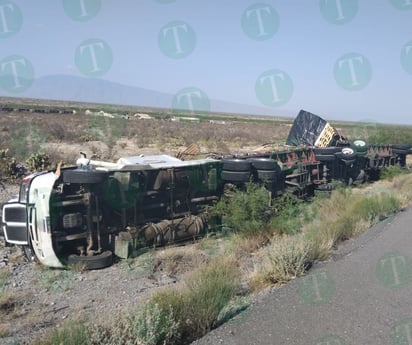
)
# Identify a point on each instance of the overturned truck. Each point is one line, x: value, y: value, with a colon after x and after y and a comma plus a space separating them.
x: 89, y: 213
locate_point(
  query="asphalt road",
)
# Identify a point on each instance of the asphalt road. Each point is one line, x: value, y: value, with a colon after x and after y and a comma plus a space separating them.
x: 363, y: 295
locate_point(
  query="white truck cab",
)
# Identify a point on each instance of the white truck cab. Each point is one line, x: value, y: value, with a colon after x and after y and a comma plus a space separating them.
x: 85, y: 214
x: 27, y: 220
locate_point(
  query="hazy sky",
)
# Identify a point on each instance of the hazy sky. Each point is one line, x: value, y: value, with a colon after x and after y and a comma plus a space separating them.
x: 341, y: 59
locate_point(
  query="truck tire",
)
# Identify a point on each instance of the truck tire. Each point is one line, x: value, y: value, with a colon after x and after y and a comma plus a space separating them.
x: 264, y: 164
x: 236, y: 176
x: 93, y: 262
x: 360, y: 146
x: 233, y: 164
x: 347, y: 154
x: 84, y: 176
x: 326, y: 150
x: 325, y: 157
x: 400, y: 152
x: 267, y: 175
x: 401, y: 147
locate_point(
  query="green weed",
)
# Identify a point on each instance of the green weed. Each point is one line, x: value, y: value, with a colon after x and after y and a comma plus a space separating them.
x: 388, y: 173
x: 246, y: 212
x: 71, y: 333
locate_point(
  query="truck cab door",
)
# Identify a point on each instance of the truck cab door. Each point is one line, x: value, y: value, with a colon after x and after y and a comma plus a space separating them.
x: 15, y: 223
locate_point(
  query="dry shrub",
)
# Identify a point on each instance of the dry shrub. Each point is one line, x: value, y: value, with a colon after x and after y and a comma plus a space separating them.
x: 242, y: 246
x: 198, y: 303
x: 179, y: 260
x: 402, y: 186
x: 345, y: 215
x: 340, y: 217
x: 281, y: 261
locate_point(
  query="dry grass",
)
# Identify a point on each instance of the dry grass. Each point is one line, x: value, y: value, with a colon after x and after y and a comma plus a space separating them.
x: 179, y: 260
x: 196, y: 304
x: 241, y: 247
x: 281, y: 261
x: 344, y: 215
x: 402, y: 187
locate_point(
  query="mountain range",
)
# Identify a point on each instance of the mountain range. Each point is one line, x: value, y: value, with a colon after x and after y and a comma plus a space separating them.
x: 93, y: 90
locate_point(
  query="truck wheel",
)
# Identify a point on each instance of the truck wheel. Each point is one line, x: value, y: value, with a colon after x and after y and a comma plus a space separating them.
x: 400, y: 152
x: 267, y: 175
x: 236, y: 176
x: 360, y: 146
x: 84, y: 176
x: 347, y: 154
x: 325, y: 157
x: 330, y: 150
x: 233, y: 164
x: 93, y: 262
x: 401, y: 147
x: 264, y: 164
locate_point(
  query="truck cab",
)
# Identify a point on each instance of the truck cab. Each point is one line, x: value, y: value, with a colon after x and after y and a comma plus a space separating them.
x: 26, y: 220
x: 95, y: 210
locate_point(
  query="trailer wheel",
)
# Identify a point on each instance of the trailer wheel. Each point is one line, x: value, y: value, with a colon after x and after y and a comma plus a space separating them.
x: 94, y: 262
x: 360, y: 146
x: 264, y: 164
x: 84, y: 176
x: 401, y: 147
x: 347, y: 154
x: 400, y: 152
x: 267, y: 175
x: 325, y: 158
x: 233, y: 164
x: 326, y: 150
x: 236, y: 176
